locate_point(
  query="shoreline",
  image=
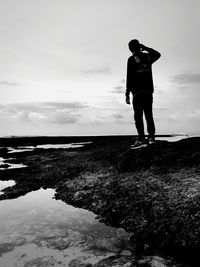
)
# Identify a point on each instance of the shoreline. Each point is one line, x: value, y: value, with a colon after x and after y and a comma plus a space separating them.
x: 152, y: 193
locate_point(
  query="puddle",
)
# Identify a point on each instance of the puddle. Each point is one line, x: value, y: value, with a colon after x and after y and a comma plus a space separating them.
x: 20, y: 149
x: 80, y: 144
x: 72, y: 145
x: 37, y: 230
x: 46, y: 146
x: 1, y: 160
x: 173, y: 138
x: 4, y: 184
x: 5, y: 165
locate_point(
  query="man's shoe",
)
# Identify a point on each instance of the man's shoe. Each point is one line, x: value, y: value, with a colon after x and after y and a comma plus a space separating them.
x: 139, y: 144
x: 151, y: 140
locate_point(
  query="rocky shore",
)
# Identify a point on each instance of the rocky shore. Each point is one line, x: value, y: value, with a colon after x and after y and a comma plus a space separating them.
x: 153, y: 193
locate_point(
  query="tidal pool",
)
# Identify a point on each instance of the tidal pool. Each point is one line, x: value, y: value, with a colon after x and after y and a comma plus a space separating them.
x: 174, y: 138
x: 20, y: 149
x: 37, y: 230
x: 46, y: 146
x: 71, y: 145
x: 4, y: 184
x: 4, y: 162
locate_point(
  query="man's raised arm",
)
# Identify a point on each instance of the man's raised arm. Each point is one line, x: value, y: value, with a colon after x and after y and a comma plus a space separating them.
x: 153, y: 54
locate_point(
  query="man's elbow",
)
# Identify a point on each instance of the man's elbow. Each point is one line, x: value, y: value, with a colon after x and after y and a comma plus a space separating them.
x: 156, y: 57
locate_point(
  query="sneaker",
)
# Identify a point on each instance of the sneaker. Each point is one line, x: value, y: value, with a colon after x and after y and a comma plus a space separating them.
x: 151, y: 140
x: 139, y: 144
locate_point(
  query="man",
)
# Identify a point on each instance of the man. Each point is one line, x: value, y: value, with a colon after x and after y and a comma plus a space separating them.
x: 140, y: 83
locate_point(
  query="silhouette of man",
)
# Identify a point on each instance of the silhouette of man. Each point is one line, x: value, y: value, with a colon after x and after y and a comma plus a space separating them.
x: 139, y: 82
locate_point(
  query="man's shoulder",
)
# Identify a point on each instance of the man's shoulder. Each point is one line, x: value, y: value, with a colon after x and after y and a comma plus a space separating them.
x: 141, y: 55
x: 131, y: 59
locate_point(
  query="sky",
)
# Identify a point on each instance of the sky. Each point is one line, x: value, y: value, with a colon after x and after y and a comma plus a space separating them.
x: 63, y: 65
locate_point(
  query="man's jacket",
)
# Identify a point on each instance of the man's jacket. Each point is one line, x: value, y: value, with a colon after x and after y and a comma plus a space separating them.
x: 139, y: 72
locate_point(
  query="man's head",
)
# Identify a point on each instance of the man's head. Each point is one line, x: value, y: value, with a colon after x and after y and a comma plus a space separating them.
x: 134, y: 46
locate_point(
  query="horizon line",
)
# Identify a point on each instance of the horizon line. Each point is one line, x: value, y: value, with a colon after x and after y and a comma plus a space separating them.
x: 104, y: 135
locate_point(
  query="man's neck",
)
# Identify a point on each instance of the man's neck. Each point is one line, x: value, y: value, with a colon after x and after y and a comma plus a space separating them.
x: 137, y: 53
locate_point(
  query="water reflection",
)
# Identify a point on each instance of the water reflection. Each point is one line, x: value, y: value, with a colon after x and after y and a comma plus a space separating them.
x: 72, y: 145
x: 6, y: 165
x: 80, y: 144
x: 4, y: 184
x: 36, y: 228
x: 173, y: 138
x: 1, y: 160
x: 20, y: 149
x: 46, y: 146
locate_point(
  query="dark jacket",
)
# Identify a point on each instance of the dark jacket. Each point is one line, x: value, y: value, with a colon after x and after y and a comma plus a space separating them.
x: 139, y: 72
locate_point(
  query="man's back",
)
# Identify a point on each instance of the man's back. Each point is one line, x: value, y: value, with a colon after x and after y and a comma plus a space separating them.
x: 139, y: 71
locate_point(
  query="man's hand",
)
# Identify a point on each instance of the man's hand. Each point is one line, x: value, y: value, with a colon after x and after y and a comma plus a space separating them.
x: 142, y: 47
x: 128, y: 100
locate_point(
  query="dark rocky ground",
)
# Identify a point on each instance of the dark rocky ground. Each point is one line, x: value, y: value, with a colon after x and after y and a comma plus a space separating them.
x: 153, y: 192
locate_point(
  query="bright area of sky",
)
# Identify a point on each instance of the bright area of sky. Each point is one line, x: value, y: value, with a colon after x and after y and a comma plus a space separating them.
x: 63, y: 65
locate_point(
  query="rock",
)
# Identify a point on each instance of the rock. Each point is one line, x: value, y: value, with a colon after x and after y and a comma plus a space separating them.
x: 116, y: 261
x: 6, y: 247
x: 103, y: 244
x: 79, y: 263
x: 126, y: 253
x: 41, y: 261
x: 154, y: 261
x: 19, y: 241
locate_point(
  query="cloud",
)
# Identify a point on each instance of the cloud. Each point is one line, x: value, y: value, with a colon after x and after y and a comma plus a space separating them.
x: 44, y: 106
x: 103, y: 71
x: 186, y: 78
x: 7, y: 83
x: 44, y: 112
x: 117, y: 116
x: 62, y: 117
x: 119, y: 89
x: 184, y: 116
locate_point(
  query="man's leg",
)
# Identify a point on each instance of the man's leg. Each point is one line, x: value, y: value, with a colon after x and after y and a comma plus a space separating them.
x: 148, y: 111
x: 138, y: 116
